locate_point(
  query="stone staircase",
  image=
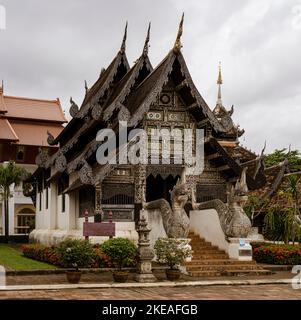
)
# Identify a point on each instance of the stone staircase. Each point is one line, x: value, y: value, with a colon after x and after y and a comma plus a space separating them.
x: 209, y: 260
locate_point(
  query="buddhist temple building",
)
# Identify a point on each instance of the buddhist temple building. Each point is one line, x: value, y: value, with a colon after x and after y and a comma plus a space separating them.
x: 146, y: 97
x: 24, y: 123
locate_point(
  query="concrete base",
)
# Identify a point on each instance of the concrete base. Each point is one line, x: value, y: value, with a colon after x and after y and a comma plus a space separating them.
x: 145, y: 277
x: 54, y: 236
x: 240, y: 249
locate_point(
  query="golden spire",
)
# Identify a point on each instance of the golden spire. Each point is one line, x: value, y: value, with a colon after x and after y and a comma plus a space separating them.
x: 178, y: 45
x: 146, y: 45
x: 219, y: 82
x: 122, y: 48
x: 2, y: 88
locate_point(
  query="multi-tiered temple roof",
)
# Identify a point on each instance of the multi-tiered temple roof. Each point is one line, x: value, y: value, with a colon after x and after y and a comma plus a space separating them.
x: 127, y: 93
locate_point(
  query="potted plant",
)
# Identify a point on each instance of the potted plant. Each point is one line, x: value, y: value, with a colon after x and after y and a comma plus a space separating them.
x: 121, y: 252
x: 75, y: 254
x: 173, y: 252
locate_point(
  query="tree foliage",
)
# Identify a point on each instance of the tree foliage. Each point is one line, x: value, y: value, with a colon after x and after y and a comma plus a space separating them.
x: 279, y: 155
x: 9, y: 174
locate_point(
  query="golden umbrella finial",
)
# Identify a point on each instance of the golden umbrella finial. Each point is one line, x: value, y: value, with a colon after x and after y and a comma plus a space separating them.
x: 220, y: 79
x: 219, y: 82
x: 178, y: 45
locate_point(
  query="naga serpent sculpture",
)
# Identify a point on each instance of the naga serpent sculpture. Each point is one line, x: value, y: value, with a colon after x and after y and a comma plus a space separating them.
x: 234, y: 221
x: 175, y: 219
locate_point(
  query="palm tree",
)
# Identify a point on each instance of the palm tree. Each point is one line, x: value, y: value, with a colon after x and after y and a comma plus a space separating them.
x: 293, y: 190
x: 9, y: 174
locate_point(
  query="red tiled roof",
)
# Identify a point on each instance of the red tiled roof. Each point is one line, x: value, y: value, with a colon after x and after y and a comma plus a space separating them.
x: 33, y: 109
x: 6, y: 131
x: 35, y: 134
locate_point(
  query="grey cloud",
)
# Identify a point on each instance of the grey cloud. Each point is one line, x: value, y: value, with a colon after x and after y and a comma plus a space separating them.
x: 50, y: 47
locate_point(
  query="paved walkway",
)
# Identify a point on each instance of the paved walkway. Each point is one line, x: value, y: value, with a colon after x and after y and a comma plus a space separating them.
x: 100, y: 286
x: 265, y: 292
x: 106, y: 277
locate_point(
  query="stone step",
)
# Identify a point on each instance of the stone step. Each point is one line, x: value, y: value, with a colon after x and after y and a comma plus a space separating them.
x: 210, y: 256
x: 207, y: 251
x: 222, y: 268
x: 228, y: 273
x: 218, y: 262
x: 198, y: 247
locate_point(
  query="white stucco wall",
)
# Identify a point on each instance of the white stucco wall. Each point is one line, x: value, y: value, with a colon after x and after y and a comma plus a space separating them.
x: 155, y: 223
x: 206, y: 224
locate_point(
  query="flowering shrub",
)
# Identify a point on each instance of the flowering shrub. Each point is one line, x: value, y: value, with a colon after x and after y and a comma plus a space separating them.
x: 49, y: 255
x: 277, y: 254
x: 41, y: 253
x: 75, y: 253
x: 172, y: 252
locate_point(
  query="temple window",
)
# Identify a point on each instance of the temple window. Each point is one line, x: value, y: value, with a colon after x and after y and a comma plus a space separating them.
x: 40, y: 201
x: 63, y: 202
x: 20, y: 153
x: 47, y: 199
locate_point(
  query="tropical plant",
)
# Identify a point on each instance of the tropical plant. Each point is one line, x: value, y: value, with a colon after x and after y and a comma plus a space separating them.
x: 121, y: 251
x: 280, y: 224
x: 172, y: 251
x: 75, y: 253
x: 293, y: 190
x: 251, y: 207
x: 10, y: 174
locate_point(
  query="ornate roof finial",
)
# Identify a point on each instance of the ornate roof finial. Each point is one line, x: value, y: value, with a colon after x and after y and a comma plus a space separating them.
x: 50, y: 138
x: 146, y: 45
x: 86, y: 86
x: 122, y: 48
x: 263, y: 150
x: 219, y: 82
x: 73, y: 108
x: 102, y: 71
x: 178, y: 45
x: 2, y: 88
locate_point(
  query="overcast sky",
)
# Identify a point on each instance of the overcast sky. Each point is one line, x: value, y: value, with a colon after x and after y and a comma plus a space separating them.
x: 50, y: 47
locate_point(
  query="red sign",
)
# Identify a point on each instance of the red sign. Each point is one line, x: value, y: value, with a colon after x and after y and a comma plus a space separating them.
x: 94, y: 229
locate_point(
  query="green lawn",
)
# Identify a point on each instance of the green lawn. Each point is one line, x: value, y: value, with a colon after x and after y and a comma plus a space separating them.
x: 11, y: 258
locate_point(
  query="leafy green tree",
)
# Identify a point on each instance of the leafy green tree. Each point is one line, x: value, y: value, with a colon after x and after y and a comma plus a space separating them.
x: 9, y: 174
x: 279, y: 155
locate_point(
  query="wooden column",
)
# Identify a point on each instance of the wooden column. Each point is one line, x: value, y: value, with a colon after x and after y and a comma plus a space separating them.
x: 140, y: 189
x: 98, y: 207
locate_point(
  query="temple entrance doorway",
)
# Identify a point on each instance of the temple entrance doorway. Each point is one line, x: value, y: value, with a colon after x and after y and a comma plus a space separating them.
x: 157, y: 187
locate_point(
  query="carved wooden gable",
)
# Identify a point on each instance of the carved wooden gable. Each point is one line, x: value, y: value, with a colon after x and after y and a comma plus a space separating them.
x: 169, y: 109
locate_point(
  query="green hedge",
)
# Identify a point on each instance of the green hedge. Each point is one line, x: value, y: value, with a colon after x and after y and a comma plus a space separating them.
x: 279, y: 254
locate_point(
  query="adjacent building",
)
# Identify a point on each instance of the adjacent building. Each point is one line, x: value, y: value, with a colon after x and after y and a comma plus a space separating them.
x: 24, y: 123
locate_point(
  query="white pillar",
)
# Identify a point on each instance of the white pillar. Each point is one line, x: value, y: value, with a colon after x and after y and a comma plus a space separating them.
x: 2, y: 217
x: 53, y: 212
x: 11, y: 210
x: 72, y: 211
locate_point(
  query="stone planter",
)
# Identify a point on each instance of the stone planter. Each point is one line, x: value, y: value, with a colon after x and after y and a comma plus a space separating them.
x: 73, y: 276
x: 173, y: 274
x: 120, y: 276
